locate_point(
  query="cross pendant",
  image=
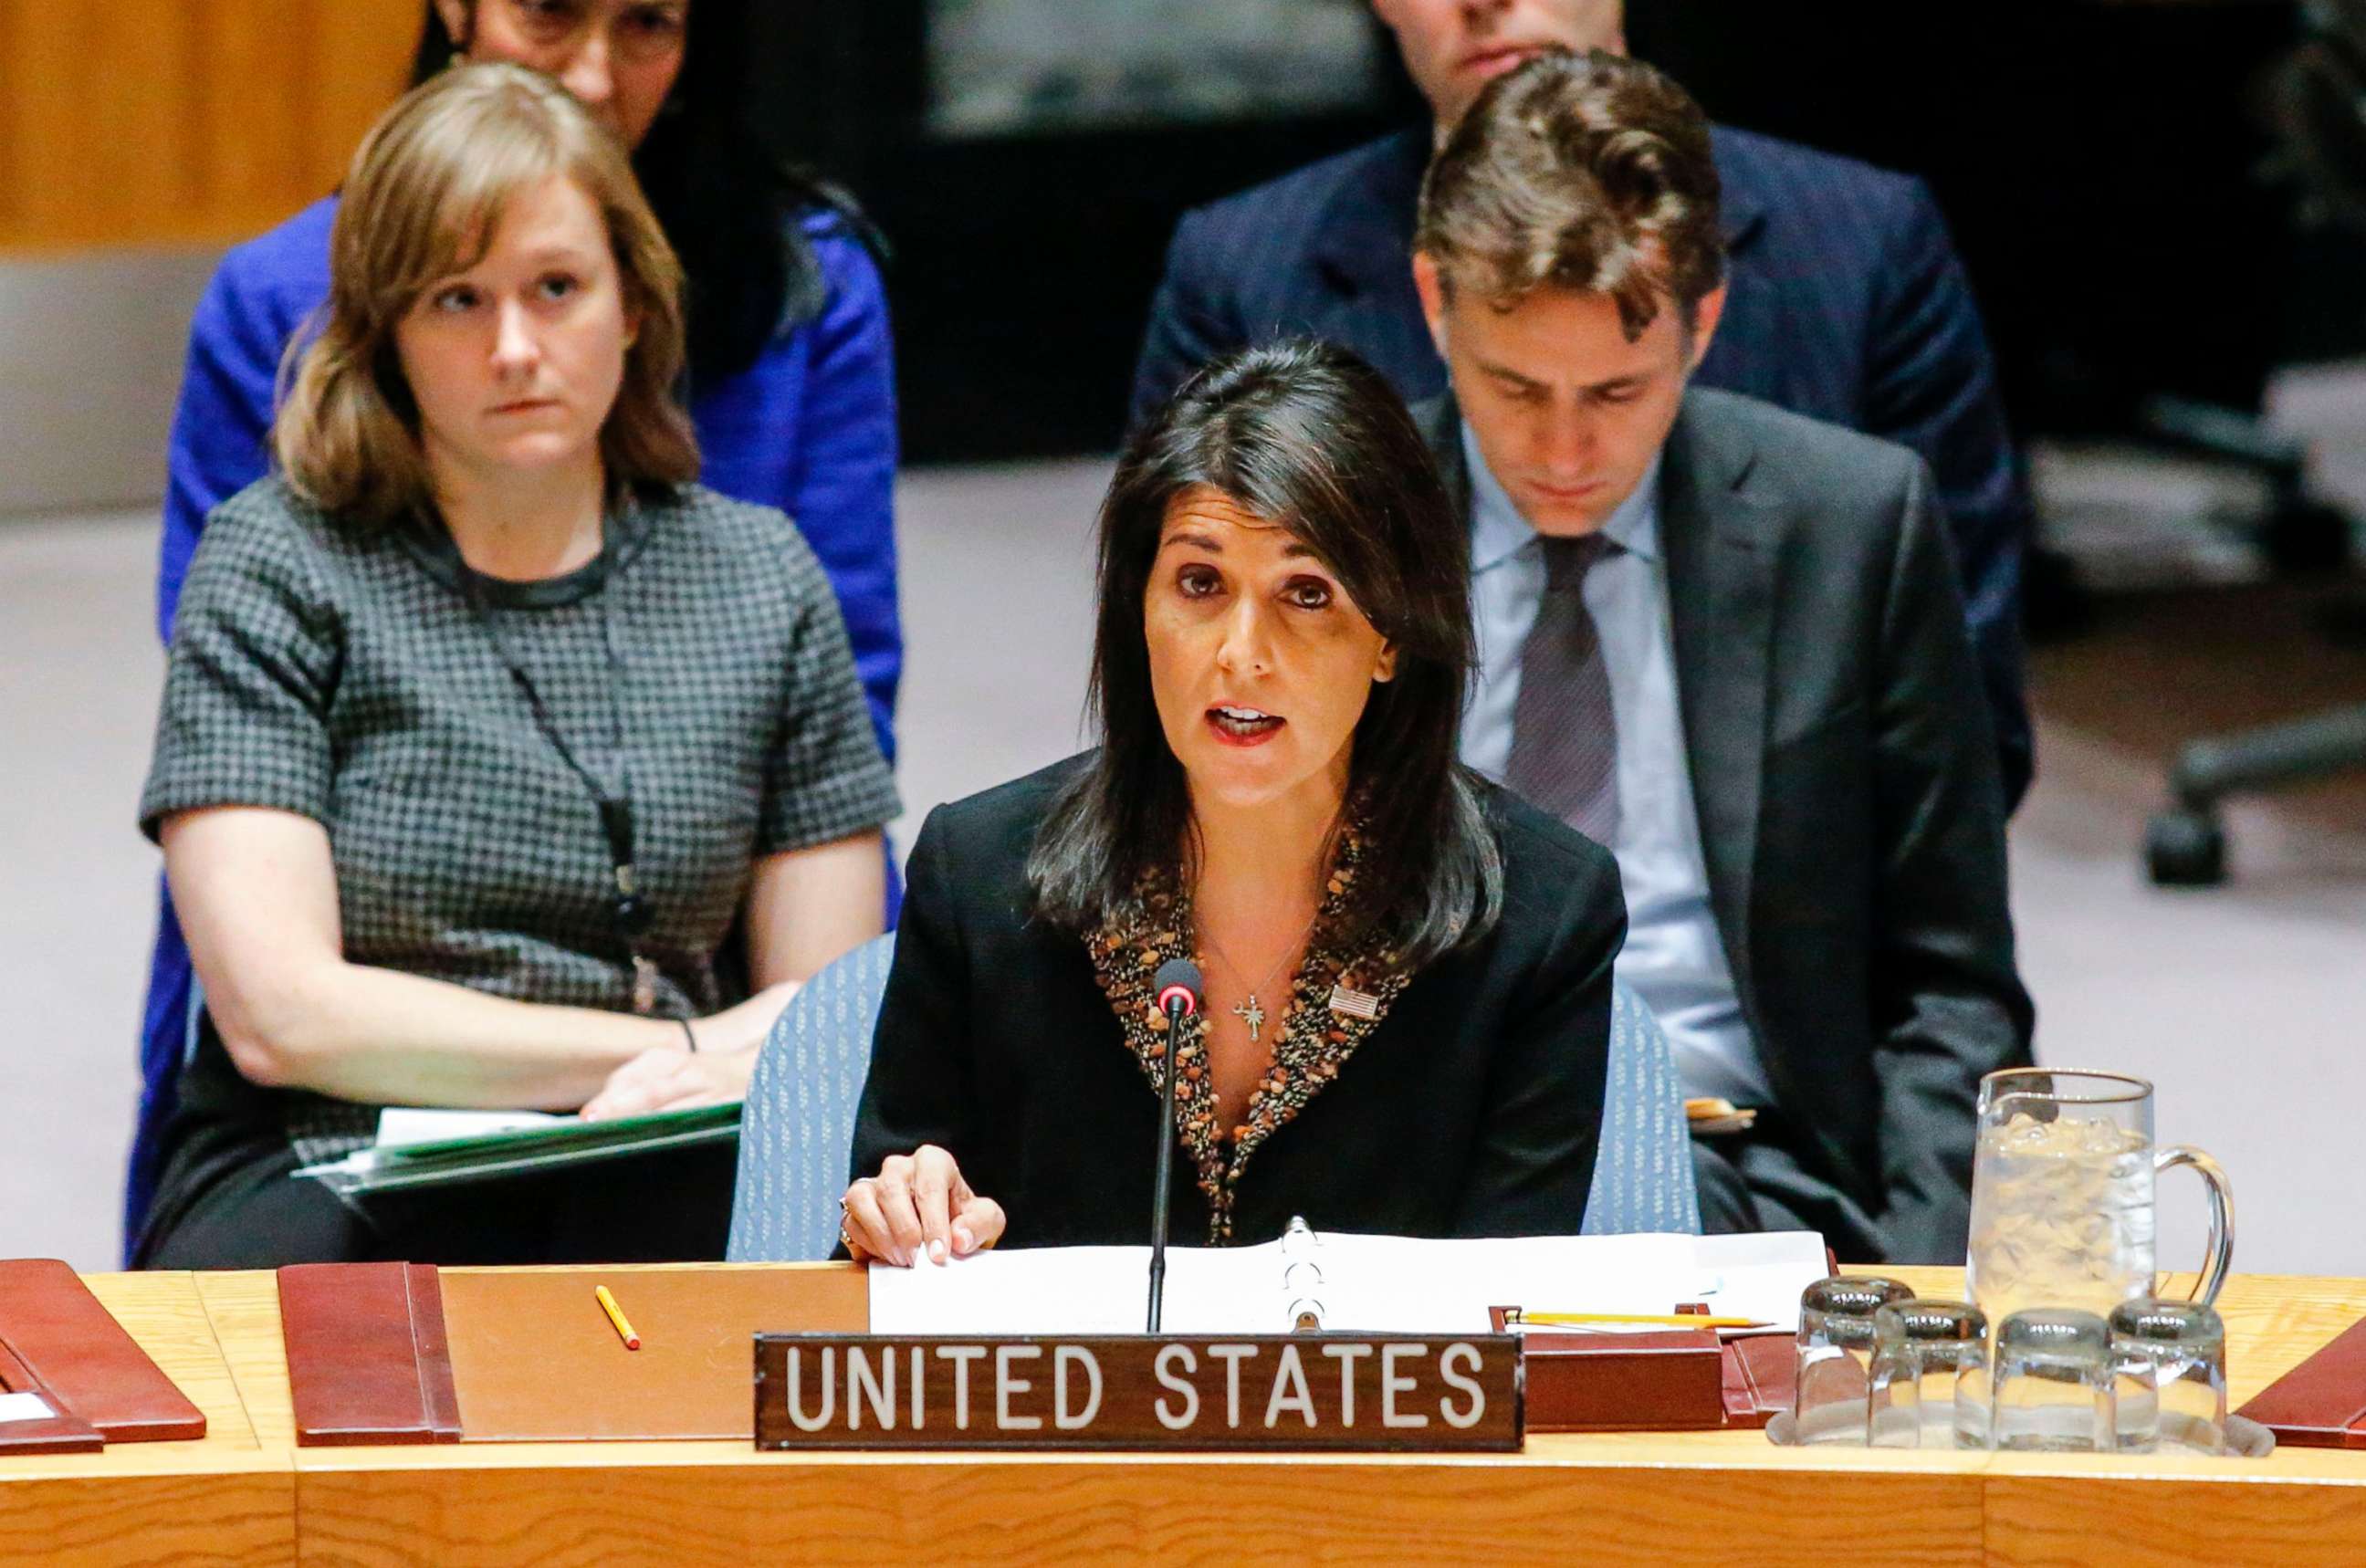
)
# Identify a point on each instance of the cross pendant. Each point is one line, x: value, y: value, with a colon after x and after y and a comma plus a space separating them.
x: 1252, y: 1015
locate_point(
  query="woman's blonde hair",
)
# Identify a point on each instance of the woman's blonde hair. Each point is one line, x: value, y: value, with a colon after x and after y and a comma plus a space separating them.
x: 424, y: 196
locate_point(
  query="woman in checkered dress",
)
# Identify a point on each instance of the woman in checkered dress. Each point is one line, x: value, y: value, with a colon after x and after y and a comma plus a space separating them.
x: 791, y: 363
x: 499, y: 763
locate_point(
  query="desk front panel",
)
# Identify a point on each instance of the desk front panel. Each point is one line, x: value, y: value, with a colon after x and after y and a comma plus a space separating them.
x: 1610, y: 1498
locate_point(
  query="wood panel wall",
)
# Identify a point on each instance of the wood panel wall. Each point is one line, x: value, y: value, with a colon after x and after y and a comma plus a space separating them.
x: 136, y: 122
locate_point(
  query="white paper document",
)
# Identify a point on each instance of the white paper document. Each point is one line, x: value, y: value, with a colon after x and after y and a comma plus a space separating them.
x: 25, y: 1408
x: 1365, y: 1284
x: 399, y: 1126
x: 1760, y: 1276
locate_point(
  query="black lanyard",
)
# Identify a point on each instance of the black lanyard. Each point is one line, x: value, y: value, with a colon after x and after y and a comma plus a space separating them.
x: 629, y: 910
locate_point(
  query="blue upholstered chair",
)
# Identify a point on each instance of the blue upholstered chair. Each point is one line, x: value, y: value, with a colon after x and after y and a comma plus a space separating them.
x: 800, y: 1120
x: 1643, y: 1173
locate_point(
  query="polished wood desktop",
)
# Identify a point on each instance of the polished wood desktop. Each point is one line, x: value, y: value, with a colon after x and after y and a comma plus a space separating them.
x: 246, y: 1493
x: 229, y: 1498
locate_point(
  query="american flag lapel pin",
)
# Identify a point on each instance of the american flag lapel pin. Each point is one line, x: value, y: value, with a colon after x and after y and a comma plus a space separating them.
x: 1354, y: 1004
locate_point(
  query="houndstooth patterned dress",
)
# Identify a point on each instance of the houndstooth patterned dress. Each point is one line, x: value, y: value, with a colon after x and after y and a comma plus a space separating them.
x: 345, y: 676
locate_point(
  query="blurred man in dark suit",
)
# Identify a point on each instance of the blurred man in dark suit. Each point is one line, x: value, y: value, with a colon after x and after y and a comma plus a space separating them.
x: 1847, y: 301
x: 1726, y: 642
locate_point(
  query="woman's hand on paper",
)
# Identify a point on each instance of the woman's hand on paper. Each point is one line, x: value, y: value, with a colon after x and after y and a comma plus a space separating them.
x: 675, y: 1078
x: 918, y: 1203
x: 672, y: 1077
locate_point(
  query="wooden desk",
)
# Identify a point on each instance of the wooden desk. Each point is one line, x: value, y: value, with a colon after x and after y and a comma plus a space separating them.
x: 1610, y: 1498
x: 228, y: 1498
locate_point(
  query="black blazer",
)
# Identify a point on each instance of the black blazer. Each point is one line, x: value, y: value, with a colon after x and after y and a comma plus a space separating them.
x: 1474, y: 1109
x: 1846, y: 785
x: 1846, y: 303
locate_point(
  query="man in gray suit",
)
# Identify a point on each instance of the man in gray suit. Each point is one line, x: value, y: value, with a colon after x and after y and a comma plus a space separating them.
x: 1726, y: 641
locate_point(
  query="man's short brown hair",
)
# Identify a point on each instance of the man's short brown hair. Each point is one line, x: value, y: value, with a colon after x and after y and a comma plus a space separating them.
x: 1586, y: 171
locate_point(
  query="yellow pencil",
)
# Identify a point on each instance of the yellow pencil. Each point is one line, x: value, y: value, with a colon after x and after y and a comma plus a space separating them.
x: 617, y: 1317
x: 1672, y: 1320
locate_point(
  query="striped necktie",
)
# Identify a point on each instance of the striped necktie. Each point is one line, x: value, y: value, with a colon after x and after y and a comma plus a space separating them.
x: 1565, y: 735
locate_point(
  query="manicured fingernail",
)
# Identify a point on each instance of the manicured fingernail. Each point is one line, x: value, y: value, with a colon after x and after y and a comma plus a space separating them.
x: 960, y: 1238
x: 936, y: 1252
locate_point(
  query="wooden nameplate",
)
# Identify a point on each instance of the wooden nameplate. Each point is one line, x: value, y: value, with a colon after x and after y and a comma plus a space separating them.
x: 1337, y: 1392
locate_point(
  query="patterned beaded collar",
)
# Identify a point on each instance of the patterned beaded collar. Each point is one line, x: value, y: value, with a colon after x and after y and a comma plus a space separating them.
x: 1337, y: 998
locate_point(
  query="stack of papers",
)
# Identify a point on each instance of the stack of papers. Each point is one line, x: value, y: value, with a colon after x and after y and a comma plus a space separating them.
x: 1363, y: 1283
x: 424, y: 1149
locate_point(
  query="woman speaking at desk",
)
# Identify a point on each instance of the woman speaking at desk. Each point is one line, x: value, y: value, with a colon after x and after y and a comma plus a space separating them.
x: 485, y: 729
x: 1407, y: 971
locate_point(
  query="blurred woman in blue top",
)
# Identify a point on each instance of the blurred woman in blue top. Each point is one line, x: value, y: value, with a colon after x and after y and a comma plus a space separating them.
x: 791, y: 382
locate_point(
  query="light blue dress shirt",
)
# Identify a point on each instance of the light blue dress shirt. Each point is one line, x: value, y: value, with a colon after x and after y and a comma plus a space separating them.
x: 1674, y: 957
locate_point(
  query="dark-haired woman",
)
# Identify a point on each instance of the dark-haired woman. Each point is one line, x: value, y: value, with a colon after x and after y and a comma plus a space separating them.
x: 1407, y: 972
x: 791, y: 376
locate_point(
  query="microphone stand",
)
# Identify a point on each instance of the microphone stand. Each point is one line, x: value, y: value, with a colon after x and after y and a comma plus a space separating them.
x: 1162, y: 1182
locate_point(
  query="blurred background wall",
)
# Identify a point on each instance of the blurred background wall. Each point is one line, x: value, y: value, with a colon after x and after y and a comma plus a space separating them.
x: 2099, y: 160
x: 2102, y: 161
x: 137, y: 138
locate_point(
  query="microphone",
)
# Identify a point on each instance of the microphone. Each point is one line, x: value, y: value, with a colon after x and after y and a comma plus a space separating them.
x: 1177, y: 982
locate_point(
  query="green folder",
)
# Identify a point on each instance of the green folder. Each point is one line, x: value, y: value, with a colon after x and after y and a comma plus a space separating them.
x: 520, y: 1150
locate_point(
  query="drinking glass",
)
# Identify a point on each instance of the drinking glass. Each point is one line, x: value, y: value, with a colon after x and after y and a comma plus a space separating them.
x: 1930, y: 1383
x: 1835, y: 1349
x: 2054, y: 1390
x: 2170, y: 1361
x: 2062, y: 1194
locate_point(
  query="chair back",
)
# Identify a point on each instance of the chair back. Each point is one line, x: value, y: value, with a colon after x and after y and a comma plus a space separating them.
x: 1643, y: 1172
x: 799, y: 1120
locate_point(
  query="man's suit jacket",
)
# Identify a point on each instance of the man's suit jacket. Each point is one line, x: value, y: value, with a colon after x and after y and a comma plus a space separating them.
x: 1846, y: 304
x: 1850, y: 816
x: 1472, y: 1108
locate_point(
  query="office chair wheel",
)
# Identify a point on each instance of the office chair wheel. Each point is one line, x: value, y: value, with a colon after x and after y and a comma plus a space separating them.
x: 2185, y: 848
